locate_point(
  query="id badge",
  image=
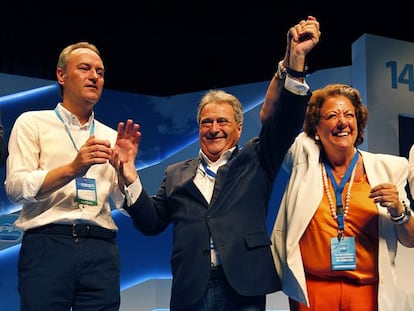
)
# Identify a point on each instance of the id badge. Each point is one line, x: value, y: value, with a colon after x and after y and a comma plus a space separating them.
x: 343, y: 256
x: 86, y: 191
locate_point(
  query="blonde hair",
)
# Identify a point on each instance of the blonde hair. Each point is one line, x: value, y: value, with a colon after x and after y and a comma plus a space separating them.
x: 65, y: 53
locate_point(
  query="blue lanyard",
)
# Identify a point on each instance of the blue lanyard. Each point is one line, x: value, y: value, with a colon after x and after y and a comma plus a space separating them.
x: 208, y: 171
x: 339, y: 188
x: 91, y: 129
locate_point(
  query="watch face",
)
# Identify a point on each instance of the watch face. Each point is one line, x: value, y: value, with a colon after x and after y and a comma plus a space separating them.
x: 283, y: 73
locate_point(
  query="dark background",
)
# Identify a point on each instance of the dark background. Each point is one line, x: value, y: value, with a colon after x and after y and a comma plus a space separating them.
x: 170, y: 48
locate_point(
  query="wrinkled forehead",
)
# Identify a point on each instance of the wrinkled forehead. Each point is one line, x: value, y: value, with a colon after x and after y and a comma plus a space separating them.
x: 224, y: 108
x: 337, y: 103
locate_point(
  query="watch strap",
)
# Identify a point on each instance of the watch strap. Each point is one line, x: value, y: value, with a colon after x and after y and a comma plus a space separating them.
x: 296, y: 74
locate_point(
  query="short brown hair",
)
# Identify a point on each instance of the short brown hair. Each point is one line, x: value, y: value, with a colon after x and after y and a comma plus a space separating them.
x: 317, y: 100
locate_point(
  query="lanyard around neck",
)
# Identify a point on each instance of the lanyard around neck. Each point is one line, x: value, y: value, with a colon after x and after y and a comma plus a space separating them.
x: 208, y: 171
x: 91, y: 129
x: 339, y: 188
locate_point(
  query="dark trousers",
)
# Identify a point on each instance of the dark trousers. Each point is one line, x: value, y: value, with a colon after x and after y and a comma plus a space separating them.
x: 220, y: 296
x: 60, y: 272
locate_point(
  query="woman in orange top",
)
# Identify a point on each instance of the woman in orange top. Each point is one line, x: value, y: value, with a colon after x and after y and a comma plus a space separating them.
x: 343, y: 211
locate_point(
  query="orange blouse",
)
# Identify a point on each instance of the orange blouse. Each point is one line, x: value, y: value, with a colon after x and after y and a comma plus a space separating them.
x: 361, y: 222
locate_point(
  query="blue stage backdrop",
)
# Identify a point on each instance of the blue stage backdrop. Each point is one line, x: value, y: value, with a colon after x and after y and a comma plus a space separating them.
x: 170, y: 133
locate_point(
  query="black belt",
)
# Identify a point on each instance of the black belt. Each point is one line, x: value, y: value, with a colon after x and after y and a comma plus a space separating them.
x: 76, y: 231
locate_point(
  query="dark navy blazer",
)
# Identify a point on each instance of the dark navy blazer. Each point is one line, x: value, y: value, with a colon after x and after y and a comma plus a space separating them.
x: 235, y: 217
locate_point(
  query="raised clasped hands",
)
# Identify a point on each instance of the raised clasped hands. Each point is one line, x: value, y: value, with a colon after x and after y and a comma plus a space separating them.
x: 301, y: 39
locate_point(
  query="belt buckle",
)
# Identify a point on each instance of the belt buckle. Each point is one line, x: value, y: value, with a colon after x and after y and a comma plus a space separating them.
x: 74, y: 233
x: 80, y: 231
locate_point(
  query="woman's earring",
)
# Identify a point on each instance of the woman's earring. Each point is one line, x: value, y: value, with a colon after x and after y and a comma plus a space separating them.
x: 317, y: 137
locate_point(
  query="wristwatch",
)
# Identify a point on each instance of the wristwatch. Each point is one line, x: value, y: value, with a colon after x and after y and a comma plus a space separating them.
x: 404, y: 216
x: 281, y: 71
x: 296, y: 74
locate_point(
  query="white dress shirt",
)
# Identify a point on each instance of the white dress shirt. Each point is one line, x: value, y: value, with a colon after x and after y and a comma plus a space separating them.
x: 39, y: 142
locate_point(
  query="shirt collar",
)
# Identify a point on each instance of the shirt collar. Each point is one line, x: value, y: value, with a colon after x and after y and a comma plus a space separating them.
x: 222, y: 160
x: 71, y: 120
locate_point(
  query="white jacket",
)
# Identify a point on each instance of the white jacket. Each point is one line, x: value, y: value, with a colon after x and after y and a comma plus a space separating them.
x: 301, y: 199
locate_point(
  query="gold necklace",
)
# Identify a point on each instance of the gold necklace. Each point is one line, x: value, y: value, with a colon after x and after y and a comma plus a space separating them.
x: 329, y: 195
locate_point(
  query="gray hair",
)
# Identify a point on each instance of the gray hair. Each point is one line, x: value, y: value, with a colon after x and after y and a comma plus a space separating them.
x: 219, y: 96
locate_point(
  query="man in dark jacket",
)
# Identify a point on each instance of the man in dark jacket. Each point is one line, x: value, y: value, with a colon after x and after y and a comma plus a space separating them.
x: 218, y: 201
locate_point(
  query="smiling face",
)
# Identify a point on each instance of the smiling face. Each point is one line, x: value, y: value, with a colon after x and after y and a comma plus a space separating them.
x: 337, y: 128
x: 218, y: 129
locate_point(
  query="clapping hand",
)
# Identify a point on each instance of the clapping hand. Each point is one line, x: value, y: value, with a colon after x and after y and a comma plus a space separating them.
x: 126, y: 150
